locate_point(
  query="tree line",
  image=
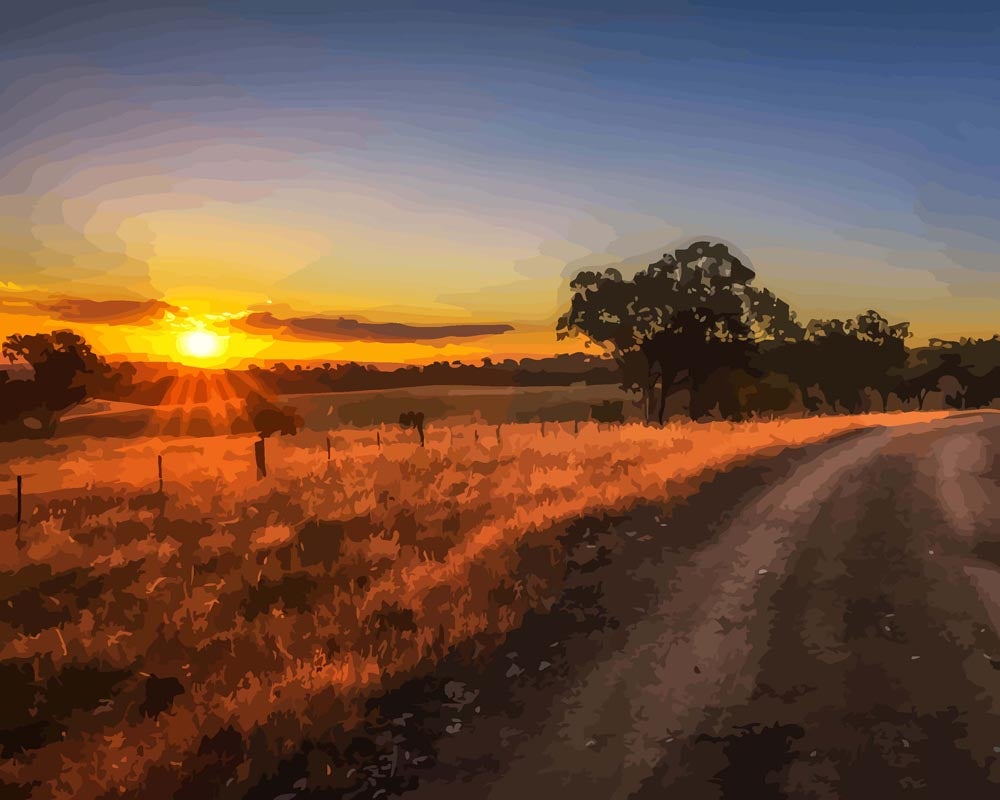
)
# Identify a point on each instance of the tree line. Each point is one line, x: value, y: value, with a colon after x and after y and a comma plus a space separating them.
x: 693, y: 326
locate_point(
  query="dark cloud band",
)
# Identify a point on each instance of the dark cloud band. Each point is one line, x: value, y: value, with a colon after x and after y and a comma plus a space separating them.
x: 107, y: 312
x: 352, y: 330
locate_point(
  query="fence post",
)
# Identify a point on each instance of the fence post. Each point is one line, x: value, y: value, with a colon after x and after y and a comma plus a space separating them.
x: 258, y: 451
x: 159, y: 472
x: 327, y: 448
x: 19, y: 499
x: 498, y: 434
x: 378, y: 439
x: 543, y: 427
x: 576, y: 427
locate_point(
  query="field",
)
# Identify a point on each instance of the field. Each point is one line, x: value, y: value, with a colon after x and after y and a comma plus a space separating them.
x: 184, y: 643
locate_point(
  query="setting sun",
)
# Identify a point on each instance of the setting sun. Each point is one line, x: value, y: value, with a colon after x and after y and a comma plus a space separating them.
x: 200, y: 345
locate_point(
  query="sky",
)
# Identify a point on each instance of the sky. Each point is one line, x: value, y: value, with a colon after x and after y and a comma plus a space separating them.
x: 396, y: 182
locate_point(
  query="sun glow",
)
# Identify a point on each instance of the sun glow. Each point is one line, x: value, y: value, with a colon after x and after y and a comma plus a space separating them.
x: 200, y: 345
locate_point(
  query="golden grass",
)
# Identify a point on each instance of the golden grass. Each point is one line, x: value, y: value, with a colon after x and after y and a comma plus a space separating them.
x: 281, y: 604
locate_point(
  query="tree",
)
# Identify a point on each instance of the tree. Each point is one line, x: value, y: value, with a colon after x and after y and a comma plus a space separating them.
x: 843, y: 359
x: 981, y: 390
x: 680, y: 319
x: 66, y: 372
x: 930, y: 366
x: 266, y: 418
x: 972, y: 364
x: 413, y: 419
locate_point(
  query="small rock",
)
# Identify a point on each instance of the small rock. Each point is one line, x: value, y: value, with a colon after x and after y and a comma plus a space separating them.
x: 914, y: 658
x: 300, y: 784
x: 513, y: 671
x: 543, y: 665
x: 455, y: 727
x: 454, y: 690
x: 762, y: 571
x: 906, y: 743
x: 591, y: 742
x: 813, y: 754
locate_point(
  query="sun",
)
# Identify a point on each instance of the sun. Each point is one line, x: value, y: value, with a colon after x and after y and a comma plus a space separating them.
x: 200, y: 345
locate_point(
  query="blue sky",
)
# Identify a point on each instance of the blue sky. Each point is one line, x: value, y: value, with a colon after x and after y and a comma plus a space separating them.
x: 457, y: 162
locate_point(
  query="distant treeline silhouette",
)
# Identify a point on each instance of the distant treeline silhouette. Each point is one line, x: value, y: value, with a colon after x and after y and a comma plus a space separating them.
x: 280, y: 378
x: 692, y: 324
x: 561, y: 370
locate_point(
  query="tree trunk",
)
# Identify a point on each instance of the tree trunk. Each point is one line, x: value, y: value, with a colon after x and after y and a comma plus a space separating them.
x: 665, y: 388
x: 649, y: 399
x: 881, y: 399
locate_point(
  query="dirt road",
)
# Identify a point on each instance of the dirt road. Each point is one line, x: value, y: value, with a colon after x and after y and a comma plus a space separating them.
x: 823, y: 625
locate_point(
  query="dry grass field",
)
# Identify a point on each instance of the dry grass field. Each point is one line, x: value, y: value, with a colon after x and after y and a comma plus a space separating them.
x: 181, y: 644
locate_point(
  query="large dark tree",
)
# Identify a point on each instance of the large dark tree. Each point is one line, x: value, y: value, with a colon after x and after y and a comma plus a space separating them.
x: 65, y: 372
x: 683, y: 318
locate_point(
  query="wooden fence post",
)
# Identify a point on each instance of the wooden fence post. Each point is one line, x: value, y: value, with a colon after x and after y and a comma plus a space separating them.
x: 576, y: 427
x: 159, y: 471
x: 258, y: 451
x: 498, y: 434
x: 19, y: 499
x: 378, y: 439
x: 327, y: 448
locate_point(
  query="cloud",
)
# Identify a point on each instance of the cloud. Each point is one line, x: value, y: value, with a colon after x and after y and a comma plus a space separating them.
x: 109, y: 312
x: 343, y: 329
